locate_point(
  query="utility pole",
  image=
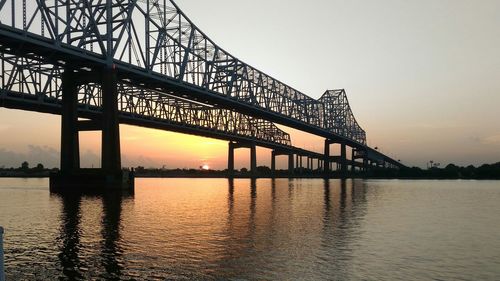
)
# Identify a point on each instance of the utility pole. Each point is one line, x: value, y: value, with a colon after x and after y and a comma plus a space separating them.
x: 2, y: 272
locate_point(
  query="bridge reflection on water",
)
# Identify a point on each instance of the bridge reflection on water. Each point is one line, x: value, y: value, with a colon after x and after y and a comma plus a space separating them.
x: 280, y: 230
x: 199, y: 229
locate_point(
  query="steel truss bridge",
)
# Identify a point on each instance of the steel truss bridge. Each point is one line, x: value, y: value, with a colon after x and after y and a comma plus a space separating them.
x: 143, y: 62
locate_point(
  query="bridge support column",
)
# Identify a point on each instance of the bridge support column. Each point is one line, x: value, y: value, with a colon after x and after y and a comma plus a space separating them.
x: 301, y: 171
x: 342, y: 163
x: 290, y: 164
x: 343, y: 160
x: 273, y: 163
x: 253, y: 160
x: 111, y: 159
x: 253, y: 157
x: 297, y: 163
x: 70, y: 148
x: 230, y: 160
x: 110, y: 175
x: 365, y: 161
x: 353, y: 161
x: 326, y: 159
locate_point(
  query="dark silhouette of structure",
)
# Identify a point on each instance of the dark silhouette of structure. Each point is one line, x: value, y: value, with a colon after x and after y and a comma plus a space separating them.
x: 93, y: 60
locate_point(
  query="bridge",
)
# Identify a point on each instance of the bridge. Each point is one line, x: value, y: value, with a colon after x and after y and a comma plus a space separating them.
x: 144, y: 63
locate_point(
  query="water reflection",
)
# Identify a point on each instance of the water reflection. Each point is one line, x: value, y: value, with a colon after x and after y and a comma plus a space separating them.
x: 70, y: 237
x: 71, y: 231
x: 273, y: 228
x: 111, y: 252
x: 343, y: 201
x: 212, y: 229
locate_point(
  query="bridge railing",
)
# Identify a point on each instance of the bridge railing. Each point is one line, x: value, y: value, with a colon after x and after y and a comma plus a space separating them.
x: 23, y: 77
x: 159, y: 38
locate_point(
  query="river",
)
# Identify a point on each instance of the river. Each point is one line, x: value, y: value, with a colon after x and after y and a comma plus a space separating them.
x: 214, y: 229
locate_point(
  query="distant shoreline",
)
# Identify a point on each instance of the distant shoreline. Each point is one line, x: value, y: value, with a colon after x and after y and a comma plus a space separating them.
x: 260, y: 177
x: 450, y: 172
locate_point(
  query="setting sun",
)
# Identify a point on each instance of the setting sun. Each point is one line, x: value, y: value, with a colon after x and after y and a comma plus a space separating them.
x: 205, y: 167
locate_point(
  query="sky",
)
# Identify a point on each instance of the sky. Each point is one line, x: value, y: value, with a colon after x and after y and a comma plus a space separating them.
x: 422, y: 78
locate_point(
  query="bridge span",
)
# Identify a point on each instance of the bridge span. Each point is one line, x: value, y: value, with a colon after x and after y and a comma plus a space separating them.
x: 145, y: 63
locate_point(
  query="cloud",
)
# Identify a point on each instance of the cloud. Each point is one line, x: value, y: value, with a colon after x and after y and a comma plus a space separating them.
x: 48, y: 156
x: 491, y: 140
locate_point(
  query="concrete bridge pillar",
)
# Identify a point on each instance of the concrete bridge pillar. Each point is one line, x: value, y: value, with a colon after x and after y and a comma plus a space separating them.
x: 353, y: 159
x: 326, y: 159
x: 253, y: 160
x: 297, y: 163
x: 365, y: 161
x: 110, y: 158
x: 110, y: 175
x: 230, y: 159
x: 70, y: 148
x: 300, y: 164
x: 273, y: 163
x: 343, y: 160
x: 253, y: 157
x: 290, y: 164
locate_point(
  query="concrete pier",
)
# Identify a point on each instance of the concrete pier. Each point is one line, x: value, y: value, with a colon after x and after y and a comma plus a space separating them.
x: 110, y: 176
x: 253, y: 157
x: 326, y: 160
x: 290, y: 165
x: 343, y: 160
x: 273, y: 163
x: 341, y: 164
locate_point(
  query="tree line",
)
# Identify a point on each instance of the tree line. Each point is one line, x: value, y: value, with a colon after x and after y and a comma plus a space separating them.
x: 451, y: 171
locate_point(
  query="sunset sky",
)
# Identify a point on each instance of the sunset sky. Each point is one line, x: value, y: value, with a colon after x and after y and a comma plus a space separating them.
x: 422, y: 77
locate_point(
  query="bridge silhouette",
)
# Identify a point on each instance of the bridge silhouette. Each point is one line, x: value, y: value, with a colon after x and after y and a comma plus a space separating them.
x: 144, y: 63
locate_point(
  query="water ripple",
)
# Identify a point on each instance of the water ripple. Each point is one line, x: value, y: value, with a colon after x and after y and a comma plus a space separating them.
x: 212, y: 229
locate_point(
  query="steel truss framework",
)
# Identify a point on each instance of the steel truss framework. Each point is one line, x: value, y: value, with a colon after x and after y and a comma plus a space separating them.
x: 156, y: 48
x: 338, y: 110
x: 157, y: 37
x: 32, y: 80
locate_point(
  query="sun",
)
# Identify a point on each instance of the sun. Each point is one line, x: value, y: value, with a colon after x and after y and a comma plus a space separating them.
x: 205, y: 167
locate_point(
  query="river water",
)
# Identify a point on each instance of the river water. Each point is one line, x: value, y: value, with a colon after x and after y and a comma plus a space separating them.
x: 214, y: 229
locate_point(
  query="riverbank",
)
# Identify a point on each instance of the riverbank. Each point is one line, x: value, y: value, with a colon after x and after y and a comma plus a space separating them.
x: 483, y: 172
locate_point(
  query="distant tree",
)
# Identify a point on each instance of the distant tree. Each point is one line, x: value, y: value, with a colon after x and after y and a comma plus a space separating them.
x: 263, y: 169
x: 40, y: 167
x: 244, y: 170
x: 25, y: 165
